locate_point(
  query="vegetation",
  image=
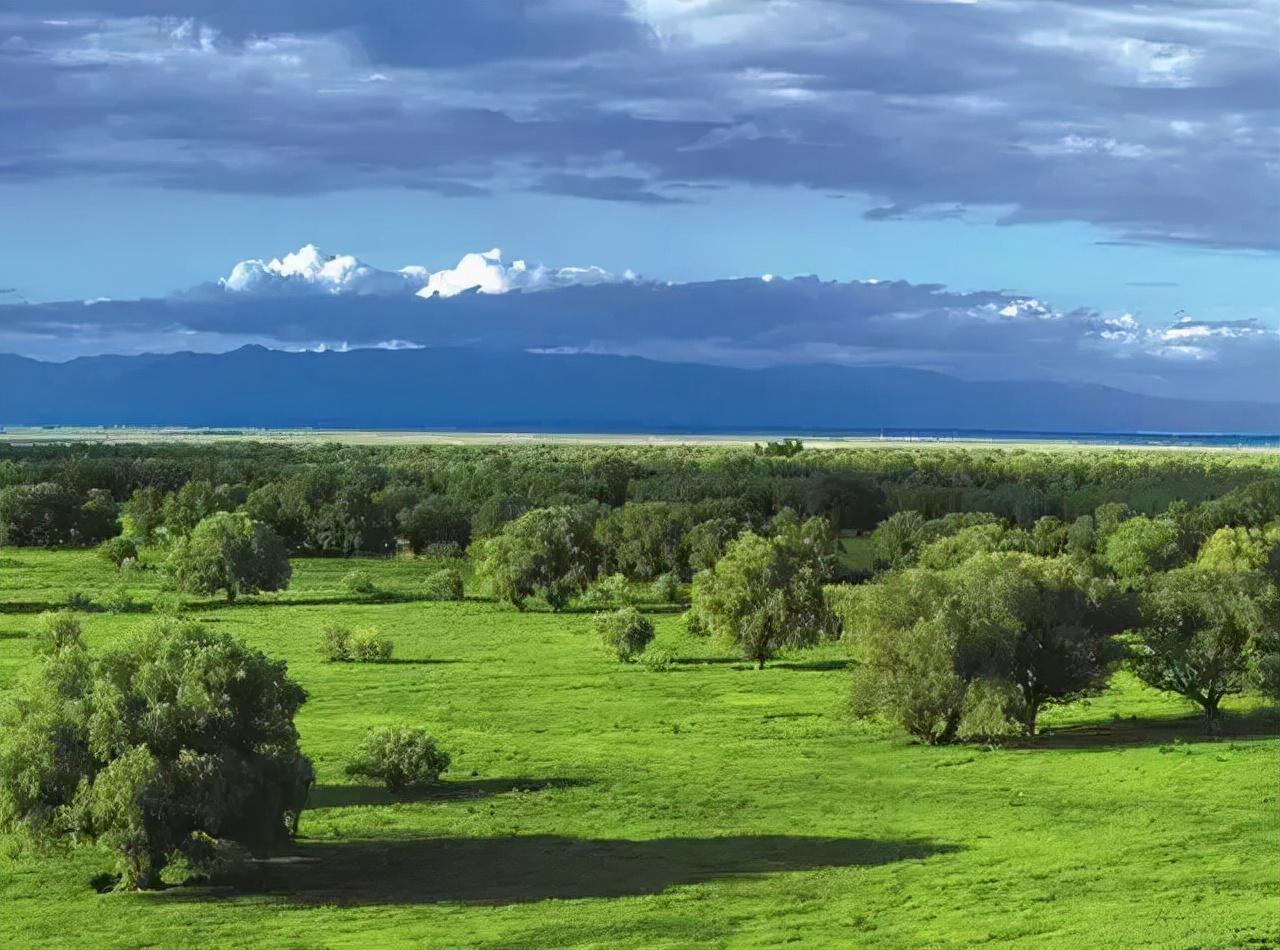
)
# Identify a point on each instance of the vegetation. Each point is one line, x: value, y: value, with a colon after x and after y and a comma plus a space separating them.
x: 626, y: 632
x: 1074, y: 618
x: 175, y: 732
x: 400, y: 757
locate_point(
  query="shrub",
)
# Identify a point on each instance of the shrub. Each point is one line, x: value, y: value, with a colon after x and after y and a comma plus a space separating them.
x: 368, y: 647
x: 228, y: 552
x: 443, y: 549
x: 625, y: 631
x: 57, y: 631
x: 78, y: 600
x: 118, y: 550
x: 118, y: 600
x: 399, y: 757
x: 658, y: 660
x: 550, y: 552
x: 167, y: 604
x: 358, y: 582
x: 611, y: 590
x: 361, y: 646
x: 445, y: 584
x: 666, y: 589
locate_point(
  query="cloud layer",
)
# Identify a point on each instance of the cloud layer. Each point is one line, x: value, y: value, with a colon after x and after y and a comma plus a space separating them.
x: 1156, y: 120
x: 307, y: 301
x: 309, y: 271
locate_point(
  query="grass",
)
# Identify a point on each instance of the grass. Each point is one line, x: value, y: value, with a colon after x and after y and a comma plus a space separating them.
x: 594, y: 804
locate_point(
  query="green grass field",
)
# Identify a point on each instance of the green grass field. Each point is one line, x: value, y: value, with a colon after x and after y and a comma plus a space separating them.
x: 595, y: 804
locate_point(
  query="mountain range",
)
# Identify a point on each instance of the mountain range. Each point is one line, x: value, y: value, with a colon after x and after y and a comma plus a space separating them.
x: 488, y: 389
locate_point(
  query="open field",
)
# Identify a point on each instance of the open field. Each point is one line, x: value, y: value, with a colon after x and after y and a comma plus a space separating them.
x: 595, y: 804
x: 124, y: 435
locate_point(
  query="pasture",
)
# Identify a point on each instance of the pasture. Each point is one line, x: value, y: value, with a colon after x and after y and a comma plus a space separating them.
x: 598, y: 804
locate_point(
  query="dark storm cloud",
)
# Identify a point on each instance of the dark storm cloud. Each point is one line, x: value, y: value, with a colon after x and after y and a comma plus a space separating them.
x: 1158, y: 120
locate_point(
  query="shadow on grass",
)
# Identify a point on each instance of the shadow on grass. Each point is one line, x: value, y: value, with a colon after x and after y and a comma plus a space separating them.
x: 771, y: 665
x: 810, y: 665
x: 1120, y: 733
x: 526, y: 868
x: 348, y: 796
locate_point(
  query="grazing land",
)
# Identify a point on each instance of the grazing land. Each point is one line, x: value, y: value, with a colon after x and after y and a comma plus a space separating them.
x: 693, y: 695
x: 592, y: 803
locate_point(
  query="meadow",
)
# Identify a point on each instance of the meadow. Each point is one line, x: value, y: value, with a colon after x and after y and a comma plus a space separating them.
x: 598, y: 804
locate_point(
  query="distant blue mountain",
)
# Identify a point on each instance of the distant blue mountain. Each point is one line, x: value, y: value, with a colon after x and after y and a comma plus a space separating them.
x: 505, y: 390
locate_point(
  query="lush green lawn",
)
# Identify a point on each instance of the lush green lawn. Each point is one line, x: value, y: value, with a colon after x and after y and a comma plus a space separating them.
x: 596, y: 804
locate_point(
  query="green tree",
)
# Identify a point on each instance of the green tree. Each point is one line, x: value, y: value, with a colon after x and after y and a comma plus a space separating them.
x: 1206, y: 634
x: 437, y: 519
x: 229, y: 552
x: 766, y: 592
x: 627, y: 631
x: 549, y: 552
x: 894, y: 541
x: 174, y: 734
x: 1140, y: 546
x: 144, y: 514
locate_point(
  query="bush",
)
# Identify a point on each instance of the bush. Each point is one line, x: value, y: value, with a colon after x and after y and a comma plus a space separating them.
x: 443, y: 549
x: 361, y: 646
x: 56, y: 632
x: 399, y: 757
x: 118, y: 600
x: 78, y: 600
x: 445, y: 584
x: 229, y: 552
x: 658, y: 660
x: 167, y: 604
x: 666, y: 589
x: 118, y: 550
x: 358, y: 582
x: 625, y: 631
x: 611, y: 590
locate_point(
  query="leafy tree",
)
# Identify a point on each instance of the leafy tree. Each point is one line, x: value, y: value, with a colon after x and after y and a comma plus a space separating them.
x: 229, y: 552
x: 953, y: 550
x: 627, y: 631
x: 1081, y: 537
x: 705, y: 542
x: 1206, y: 634
x: 174, y: 734
x: 437, y: 519
x: 495, y: 511
x: 1140, y: 546
x: 144, y: 513
x: 1242, y: 549
x: 444, y: 584
x: 894, y: 541
x: 550, y: 552
x: 57, y: 631
x: 643, y: 540
x: 766, y: 592
x: 285, y: 507
x: 47, y: 515
x: 188, y: 506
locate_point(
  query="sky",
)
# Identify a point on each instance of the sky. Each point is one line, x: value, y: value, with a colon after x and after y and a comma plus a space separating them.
x: 1117, y: 157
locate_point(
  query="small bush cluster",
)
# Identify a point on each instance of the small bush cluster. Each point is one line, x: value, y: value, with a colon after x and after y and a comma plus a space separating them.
x: 118, y: 600
x: 400, y: 757
x: 57, y: 631
x: 445, y: 584
x: 611, y: 590
x: 342, y: 645
x: 79, y: 600
x: 358, y: 582
x: 625, y: 631
x: 119, y: 549
x: 658, y: 660
x: 666, y: 589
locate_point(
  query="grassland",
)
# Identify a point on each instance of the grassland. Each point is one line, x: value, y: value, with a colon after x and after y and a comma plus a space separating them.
x: 594, y: 804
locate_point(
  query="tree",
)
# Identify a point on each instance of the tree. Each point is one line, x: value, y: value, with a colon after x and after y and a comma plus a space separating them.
x: 117, y: 550
x: 400, y: 757
x: 627, y: 631
x: 1140, y: 546
x: 642, y: 540
x: 894, y: 540
x: 1242, y: 549
x: 766, y: 592
x: 229, y: 552
x: 175, y: 734
x: 437, y: 519
x: 550, y: 552
x: 47, y: 515
x: 1206, y: 634
x: 144, y: 512
x: 188, y: 506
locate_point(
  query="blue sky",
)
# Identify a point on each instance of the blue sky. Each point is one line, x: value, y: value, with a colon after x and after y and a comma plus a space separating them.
x: 1121, y: 158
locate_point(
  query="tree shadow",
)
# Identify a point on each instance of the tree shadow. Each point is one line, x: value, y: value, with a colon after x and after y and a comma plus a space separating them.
x: 708, y: 660
x: 347, y: 796
x: 525, y: 868
x: 1259, y: 723
x: 810, y: 665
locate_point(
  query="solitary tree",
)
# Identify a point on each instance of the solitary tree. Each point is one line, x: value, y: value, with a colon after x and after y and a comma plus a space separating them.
x: 1206, y: 634
x: 766, y: 592
x: 229, y: 552
x: 547, y: 551
x: 176, y: 735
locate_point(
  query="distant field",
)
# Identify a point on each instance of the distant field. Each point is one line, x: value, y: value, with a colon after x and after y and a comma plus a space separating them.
x: 594, y: 804
x: 125, y: 435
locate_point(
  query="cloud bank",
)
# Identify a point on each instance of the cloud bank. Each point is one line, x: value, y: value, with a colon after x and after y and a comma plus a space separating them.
x: 307, y: 301
x: 1157, y: 121
x: 309, y: 271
